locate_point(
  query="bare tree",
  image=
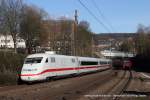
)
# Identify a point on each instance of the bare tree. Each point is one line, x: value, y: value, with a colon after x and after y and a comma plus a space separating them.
x: 4, y: 30
x: 85, y: 25
x: 84, y: 39
x: 11, y: 16
x: 143, y: 41
x: 59, y: 35
x: 127, y: 45
x: 32, y: 26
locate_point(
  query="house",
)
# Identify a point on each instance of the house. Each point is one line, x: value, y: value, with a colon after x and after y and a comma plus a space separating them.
x: 7, y: 41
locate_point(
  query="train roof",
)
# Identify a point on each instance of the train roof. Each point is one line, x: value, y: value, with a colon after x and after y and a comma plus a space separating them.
x: 46, y: 55
x: 56, y: 55
x: 102, y: 59
x: 87, y: 58
x: 37, y: 55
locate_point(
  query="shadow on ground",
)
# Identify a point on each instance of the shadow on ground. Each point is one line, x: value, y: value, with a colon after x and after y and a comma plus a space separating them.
x: 137, y: 93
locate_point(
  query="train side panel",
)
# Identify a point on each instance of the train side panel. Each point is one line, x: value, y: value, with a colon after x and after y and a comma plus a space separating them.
x: 66, y: 65
x: 59, y: 66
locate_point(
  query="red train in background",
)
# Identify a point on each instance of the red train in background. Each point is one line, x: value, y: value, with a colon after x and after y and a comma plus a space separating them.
x: 125, y: 64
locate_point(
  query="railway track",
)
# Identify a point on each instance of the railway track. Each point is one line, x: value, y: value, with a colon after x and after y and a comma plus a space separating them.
x: 116, y: 91
x: 112, y: 89
x: 116, y: 83
x: 124, y: 87
x: 64, y: 89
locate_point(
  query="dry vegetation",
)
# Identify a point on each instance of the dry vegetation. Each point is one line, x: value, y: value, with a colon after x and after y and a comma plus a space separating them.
x: 10, y: 66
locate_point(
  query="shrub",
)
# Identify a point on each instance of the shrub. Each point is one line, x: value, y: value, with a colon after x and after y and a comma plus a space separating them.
x: 10, y: 66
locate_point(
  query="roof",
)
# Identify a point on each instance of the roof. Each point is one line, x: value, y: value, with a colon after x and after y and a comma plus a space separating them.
x: 116, y: 54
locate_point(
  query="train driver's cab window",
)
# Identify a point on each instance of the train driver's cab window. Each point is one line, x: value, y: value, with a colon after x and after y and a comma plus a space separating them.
x: 52, y: 60
x: 46, y: 60
x: 33, y: 60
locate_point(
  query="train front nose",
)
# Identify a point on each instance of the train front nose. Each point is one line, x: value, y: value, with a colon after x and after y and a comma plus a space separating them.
x: 29, y: 75
x: 29, y: 78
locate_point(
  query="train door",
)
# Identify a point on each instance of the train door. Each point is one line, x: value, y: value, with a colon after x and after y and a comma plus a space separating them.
x: 52, y: 66
x: 78, y: 64
x: 74, y: 64
x: 61, y: 65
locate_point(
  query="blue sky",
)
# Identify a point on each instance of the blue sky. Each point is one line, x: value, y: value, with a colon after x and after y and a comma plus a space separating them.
x: 124, y: 15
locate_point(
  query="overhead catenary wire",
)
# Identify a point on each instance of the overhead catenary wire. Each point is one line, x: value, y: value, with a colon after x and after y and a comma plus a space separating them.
x: 103, y: 16
x: 93, y: 15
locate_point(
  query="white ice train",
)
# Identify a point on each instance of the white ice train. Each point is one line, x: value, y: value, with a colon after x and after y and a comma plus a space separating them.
x: 43, y: 66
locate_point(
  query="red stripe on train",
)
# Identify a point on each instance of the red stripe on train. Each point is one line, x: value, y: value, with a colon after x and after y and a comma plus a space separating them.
x: 60, y: 69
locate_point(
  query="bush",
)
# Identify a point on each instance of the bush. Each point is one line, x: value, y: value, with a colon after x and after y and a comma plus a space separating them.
x: 8, y: 78
x: 10, y: 66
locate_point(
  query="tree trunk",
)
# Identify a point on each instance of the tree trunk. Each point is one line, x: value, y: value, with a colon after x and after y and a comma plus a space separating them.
x: 15, y: 46
x: 15, y: 42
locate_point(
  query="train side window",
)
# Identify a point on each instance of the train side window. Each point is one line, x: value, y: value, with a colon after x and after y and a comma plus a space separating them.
x: 103, y: 62
x: 46, y: 60
x: 73, y: 60
x: 52, y: 60
x: 89, y: 63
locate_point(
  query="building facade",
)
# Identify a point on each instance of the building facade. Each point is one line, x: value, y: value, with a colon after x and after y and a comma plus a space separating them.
x: 6, y: 41
x: 59, y: 36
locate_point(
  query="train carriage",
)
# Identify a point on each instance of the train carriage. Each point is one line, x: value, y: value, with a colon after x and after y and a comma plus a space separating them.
x: 39, y: 67
x: 104, y: 63
x: 87, y: 64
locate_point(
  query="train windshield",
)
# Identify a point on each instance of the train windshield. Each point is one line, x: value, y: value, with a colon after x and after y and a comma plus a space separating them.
x: 33, y: 60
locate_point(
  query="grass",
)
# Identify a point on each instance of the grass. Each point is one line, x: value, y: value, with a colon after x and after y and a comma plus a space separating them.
x: 8, y: 79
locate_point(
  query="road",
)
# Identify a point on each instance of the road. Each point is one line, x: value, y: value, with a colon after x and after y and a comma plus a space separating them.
x: 96, y: 86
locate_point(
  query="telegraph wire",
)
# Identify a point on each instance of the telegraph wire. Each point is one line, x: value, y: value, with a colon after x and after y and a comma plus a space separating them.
x: 92, y: 14
x: 102, y: 15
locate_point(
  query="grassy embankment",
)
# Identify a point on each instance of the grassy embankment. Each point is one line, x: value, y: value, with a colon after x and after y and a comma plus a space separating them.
x: 10, y: 66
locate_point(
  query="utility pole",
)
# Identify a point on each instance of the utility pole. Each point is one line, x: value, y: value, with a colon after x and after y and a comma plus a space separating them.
x: 76, y: 17
x: 92, y: 44
x: 74, y: 33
